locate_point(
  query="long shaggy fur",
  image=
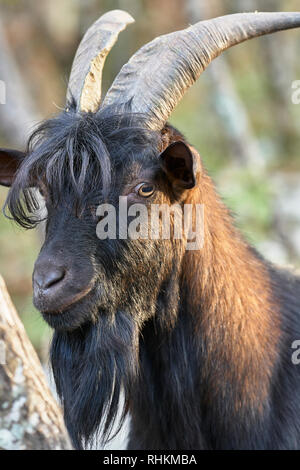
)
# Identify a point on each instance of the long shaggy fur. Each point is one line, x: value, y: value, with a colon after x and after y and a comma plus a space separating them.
x: 73, y: 155
x: 90, y: 366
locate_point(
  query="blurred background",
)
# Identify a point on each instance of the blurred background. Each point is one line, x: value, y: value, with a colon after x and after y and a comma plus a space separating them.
x: 240, y: 116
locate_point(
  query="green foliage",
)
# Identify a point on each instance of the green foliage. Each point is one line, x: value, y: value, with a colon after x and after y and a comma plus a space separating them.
x: 249, y: 197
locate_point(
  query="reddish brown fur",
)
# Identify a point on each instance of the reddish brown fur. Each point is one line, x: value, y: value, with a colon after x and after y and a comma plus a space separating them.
x: 230, y: 288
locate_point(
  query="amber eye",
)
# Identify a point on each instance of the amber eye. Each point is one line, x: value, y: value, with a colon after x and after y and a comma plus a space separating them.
x: 145, y: 189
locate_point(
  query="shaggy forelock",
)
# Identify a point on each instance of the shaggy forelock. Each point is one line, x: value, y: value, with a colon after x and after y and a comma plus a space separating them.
x: 74, y: 156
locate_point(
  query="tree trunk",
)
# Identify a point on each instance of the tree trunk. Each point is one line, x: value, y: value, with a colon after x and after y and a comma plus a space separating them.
x: 30, y: 418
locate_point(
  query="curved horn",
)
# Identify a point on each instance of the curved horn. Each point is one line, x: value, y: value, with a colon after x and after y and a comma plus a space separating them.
x: 86, y: 74
x: 157, y: 76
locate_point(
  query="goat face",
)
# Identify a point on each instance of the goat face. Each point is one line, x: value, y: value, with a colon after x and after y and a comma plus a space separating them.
x: 79, y: 163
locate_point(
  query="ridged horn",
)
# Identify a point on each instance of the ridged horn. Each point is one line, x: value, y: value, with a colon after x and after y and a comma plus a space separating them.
x: 157, y: 75
x: 86, y: 74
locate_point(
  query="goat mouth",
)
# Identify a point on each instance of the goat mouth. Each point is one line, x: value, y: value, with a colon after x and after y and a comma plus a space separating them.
x: 56, y: 303
x: 72, y: 315
x: 68, y: 320
x: 63, y: 307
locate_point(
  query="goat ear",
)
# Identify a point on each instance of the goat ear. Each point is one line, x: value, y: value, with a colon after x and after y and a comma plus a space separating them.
x: 10, y: 161
x: 178, y: 162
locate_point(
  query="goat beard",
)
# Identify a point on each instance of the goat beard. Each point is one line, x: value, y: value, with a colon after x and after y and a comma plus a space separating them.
x: 91, y: 366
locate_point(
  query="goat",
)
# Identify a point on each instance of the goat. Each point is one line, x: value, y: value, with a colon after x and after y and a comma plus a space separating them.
x: 198, y: 340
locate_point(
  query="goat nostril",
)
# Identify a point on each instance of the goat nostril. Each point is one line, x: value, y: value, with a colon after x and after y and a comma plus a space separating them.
x: 49, y: 277
x: 54, y: 276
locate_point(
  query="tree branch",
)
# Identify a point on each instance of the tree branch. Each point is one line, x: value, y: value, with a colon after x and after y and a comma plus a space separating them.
x: 29, y: 416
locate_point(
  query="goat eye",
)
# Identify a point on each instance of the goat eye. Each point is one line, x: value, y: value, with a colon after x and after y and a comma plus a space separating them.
x: 145, y: 189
